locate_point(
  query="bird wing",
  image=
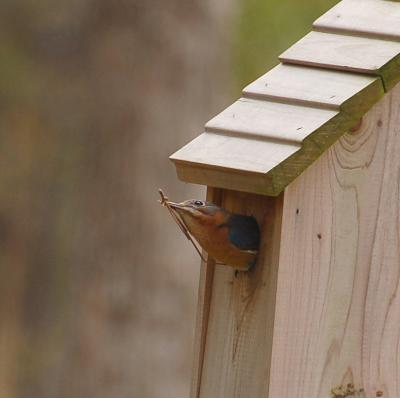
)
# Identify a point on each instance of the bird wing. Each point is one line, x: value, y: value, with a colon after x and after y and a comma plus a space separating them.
x: 244, y: 232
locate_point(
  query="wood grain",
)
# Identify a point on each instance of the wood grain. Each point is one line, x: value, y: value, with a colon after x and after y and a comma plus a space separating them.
x: 338, y: 297
x: 372, y: 18
x: 216, y: 177
x: 257, y: 139
x: 258, y: 165
x: 315, y: 87
x: 238, y: 153
x: 270, y: 120
x: 294, y: 113
x: 240, y: 323
x: 203, y: 308
x: 349, y: 53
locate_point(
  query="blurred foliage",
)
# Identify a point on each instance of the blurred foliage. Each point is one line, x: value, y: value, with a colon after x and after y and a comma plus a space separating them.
x: 94, y: 97
x: 265, y: 28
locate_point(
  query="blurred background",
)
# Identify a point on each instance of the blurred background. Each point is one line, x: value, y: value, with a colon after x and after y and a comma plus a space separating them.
x: 98, y: 287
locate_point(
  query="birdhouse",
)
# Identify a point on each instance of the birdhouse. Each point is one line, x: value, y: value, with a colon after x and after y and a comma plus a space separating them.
x: 312, y: 150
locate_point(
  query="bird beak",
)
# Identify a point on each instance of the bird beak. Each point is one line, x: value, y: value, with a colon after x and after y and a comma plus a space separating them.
x: 178, y: 207
x: 181, y: 208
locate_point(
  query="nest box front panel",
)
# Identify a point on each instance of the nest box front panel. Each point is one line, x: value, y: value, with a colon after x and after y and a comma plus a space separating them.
x: 338, y: 296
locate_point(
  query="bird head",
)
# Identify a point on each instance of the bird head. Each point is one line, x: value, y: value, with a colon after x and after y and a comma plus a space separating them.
x: 196, y: 211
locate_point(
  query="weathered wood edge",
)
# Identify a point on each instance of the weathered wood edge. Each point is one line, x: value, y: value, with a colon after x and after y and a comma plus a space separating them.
x: 319, y: 141
x: 220, y: 177
x: 390, y: 73
x: 362, y: 102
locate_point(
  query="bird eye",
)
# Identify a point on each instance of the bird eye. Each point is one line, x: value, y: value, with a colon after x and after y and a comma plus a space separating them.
x: 198, y: 203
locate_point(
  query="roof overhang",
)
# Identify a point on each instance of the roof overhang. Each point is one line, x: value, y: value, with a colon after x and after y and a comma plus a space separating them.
x: 287, y: 118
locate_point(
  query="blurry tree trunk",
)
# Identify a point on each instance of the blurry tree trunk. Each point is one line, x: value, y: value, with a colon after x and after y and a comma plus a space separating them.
x: 98, y: 287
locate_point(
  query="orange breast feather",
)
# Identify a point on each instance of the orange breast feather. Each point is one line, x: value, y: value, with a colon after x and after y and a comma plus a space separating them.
x: 214, y: 239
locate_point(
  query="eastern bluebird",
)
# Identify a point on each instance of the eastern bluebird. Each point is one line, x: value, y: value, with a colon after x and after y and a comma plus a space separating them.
x: 229, y: 238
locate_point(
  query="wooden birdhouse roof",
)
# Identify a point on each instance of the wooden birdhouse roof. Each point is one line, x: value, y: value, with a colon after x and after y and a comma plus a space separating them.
x: 287, y: 118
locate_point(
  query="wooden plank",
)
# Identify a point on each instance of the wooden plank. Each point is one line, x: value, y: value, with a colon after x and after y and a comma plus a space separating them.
x: 372, y: 18
x: 316, y: 87
x: 255, y: 165
x: 222, y: 178
x: 349, y: 53
x: 237, y: 153
x: 240, y: 324
x: 292, y: 105
x: 248, y: 151
x: 338, y: 302
x: 271, y: 120
x: 203, y: 308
